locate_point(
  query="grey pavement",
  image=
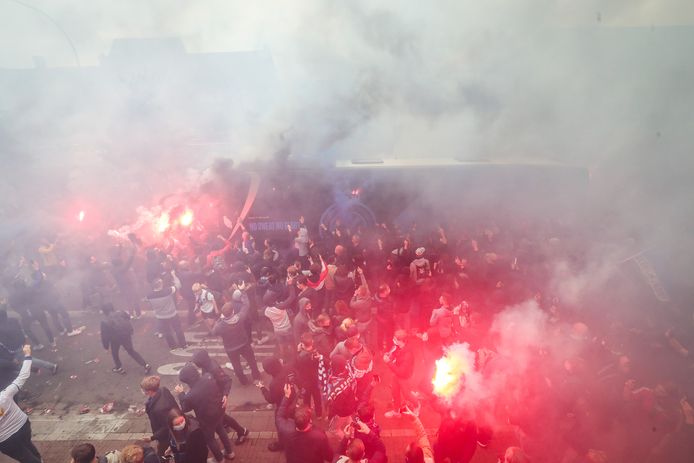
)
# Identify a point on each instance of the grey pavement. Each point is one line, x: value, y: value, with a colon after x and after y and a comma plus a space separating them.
x: 64, y: 408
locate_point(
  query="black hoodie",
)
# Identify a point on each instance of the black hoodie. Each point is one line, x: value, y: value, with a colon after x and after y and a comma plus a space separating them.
x: 189, y: 444
x: 204, y: 397
x: 274, y: 392
x: 202, y: 359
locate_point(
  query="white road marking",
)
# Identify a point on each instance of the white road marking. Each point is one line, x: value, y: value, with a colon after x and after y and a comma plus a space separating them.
x: 198, y: 340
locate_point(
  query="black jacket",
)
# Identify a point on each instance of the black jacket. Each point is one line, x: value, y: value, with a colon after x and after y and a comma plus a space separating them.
x: 306, y: 366
x: 374, y: 448
x: 158, y: 408
x: 234, y: 330
x: 202, y: 359
x: 204, y: 397
x: 115, y: 328
x: 311, y: 446
x: 402, y: 362
x: 189, y: 445
x: 274, y: 392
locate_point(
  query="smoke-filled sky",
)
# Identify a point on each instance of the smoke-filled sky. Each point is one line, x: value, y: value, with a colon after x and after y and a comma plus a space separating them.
x: 598, y: 83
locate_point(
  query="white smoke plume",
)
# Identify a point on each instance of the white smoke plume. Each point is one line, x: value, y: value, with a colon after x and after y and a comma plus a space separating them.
x: 487, y: 385
x: 600, y: 84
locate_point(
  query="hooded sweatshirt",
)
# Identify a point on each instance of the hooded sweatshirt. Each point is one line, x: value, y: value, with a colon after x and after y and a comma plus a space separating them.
x: 420, y: 270
x: 204, y: 397
x: 202, y: 359
x: 277, y: 311
x: 300, y: 323
x: 163, y: 303
x: 233, y: 330
x: 274, y: 392
x: 189, y: 444
x: 322, y: 338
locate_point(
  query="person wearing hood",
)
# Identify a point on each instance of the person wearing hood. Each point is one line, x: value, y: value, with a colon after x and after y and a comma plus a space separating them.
x: 307, y: 362
x: 231, y: 327
x: 159, y: 404
x: 202, y: 360
x: 117, y: 332
x: 305, y: 291
x: 186, y: 439
x: 121, y: 270
x: 301, y: 321
x: 242, y: 298
x: 205, y: 399
x: 276, y: 311
x: 274, y: 391
x: 420, y: 269
x: 321, y: 330
x: 163, y: 303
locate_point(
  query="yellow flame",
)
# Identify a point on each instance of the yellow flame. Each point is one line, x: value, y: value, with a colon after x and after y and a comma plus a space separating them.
x: 163, y: 222
x: 449, y: 377
x: 80, y: 217
x: 187, y: 218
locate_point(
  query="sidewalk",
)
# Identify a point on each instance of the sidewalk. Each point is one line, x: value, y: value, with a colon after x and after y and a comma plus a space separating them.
x: 253, y: 450
x: 55, y: 436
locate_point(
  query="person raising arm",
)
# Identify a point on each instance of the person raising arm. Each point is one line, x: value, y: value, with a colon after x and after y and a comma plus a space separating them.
x: 15, y: 428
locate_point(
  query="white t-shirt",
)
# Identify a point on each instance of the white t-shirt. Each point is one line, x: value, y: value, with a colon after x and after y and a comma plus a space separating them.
x: 12, y: 418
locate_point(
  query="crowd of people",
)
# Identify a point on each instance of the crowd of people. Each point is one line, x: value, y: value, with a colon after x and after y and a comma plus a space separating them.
x: 354, y: 310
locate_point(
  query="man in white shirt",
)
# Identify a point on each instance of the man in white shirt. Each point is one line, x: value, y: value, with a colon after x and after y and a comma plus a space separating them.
x: 15, y: 428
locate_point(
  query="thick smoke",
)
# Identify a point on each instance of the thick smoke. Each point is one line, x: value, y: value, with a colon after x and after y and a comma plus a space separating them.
x: 487, y: 384
x: 604, y: 85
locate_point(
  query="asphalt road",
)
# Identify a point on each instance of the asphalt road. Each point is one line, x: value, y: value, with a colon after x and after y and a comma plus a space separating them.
x: 64, y: 408
x: 85, y: 379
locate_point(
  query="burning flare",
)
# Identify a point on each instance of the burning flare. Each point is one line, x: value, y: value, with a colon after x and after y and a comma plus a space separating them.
x: 163, y: 223
x: 80, y: 216
x: 186, y: 218
x: 451, y: 369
